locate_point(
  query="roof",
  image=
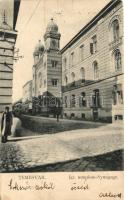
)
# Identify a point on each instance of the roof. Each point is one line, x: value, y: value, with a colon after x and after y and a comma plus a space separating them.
x: 93, y: 21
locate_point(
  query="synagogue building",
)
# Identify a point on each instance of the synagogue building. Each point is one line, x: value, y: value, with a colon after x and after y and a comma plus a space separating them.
x: 47, y: 70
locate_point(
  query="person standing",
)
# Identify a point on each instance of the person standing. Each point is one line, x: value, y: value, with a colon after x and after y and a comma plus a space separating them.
x: 6, y: 124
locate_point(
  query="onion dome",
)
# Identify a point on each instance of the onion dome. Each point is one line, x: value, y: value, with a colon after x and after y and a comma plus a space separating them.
x: 39, y: 49
x: 52, y: 27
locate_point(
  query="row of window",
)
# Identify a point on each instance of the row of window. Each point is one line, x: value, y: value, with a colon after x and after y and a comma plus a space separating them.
x: 117, y: 63
x: 116, y: 57
x: 93, y: 49
x: 54, y: 82
x: 54, y: 65
x: 95, y: 98
x: 83, y: 116
x: 72, y: 115
x: 115, y: 34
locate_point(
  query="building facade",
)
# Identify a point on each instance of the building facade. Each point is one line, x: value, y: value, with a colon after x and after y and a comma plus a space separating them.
x: 92, y: 68
x: 8, y: 16
x: 47, y: 69
x: 27, y: 92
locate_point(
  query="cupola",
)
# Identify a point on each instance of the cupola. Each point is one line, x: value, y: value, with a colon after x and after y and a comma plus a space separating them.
x: 52, y: 36
x: 39, y: 49
x: 52, y: 27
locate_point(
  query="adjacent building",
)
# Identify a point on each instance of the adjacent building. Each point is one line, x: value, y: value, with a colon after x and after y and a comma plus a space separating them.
x: 8, y: 17
x: 93, y: 69
x: 26, y: 99
x: 27, y: 92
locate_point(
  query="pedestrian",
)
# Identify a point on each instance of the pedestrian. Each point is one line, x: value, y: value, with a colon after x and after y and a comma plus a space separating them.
x: 58, y: 112
x: 6, y: 124
x: 57, y: 117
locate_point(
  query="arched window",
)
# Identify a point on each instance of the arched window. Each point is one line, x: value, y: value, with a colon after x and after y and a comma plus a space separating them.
x: 72, y: 58
x: 73, y: 100
x: 82, y: 73
x: 82, y: 102
x: 66, y: 103
x: 73, y: 76
x: 115, y: 29
x: 95, y: 98
x: 96, y: 70
x: 65, y: 62
x: 40, y: 79
x: 93, y: 45
x: 66, y: 80
x: 117, y: 59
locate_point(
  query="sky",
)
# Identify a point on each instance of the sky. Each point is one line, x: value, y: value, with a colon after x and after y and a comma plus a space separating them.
x: 34, y: 15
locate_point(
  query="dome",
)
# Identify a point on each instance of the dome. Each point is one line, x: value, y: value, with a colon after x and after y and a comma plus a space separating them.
x: 52, y: 27
x: 38, y: 49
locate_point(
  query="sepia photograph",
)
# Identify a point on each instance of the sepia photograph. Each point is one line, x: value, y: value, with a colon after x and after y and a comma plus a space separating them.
x: 61, y: 86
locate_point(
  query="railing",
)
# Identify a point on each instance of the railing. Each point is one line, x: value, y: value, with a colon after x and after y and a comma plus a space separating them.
x: 116, y: 42
x: 76, y: 84
x: 95, y: 105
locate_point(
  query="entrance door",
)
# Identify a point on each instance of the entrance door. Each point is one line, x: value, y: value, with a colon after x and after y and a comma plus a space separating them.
x: 95, y: 114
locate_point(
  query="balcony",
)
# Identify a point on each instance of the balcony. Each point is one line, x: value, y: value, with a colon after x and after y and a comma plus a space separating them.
x: 115, y: 43
x: 92, y: 105
x: 76, y: 84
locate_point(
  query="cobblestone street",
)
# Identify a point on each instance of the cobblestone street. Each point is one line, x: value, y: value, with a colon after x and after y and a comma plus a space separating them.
x: 29, y: 153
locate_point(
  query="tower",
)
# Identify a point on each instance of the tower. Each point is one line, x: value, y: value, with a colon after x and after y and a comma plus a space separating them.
x: 47, y: 70
x: 52, y: 36
x: 37, y: 54
x: 54, y: 65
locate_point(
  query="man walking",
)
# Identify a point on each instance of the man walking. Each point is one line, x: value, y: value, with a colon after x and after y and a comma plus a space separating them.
x: 6, y: 124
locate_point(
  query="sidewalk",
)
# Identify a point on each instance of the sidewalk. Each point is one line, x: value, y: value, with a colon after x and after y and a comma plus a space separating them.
x: 68, y: 120
x: 34, y: 151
